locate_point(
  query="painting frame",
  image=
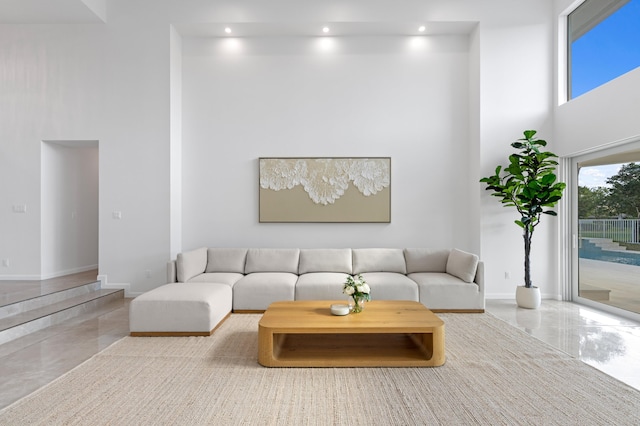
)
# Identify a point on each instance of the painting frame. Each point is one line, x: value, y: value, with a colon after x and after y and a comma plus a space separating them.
x: 324, y: 189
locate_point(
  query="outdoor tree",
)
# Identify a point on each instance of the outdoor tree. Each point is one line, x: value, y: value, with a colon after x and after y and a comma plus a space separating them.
x: 592, y: 203
x: 624, y: 192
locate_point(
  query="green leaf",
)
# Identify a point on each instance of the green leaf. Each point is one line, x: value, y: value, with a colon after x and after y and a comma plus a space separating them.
x: 529, y: 133
x: 548, y: 179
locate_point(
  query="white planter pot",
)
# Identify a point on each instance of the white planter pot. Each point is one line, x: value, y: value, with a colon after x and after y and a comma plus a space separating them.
x: 528, y: 297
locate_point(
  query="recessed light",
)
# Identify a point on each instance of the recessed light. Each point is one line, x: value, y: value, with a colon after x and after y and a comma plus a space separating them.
x: 227, y: 30
x: 422, y: 28
x: 325, y: 29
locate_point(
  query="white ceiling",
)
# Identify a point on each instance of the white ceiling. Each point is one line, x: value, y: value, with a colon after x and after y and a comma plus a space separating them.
x: 50, y: 11
x: 94, y: 11
x: 274, y: 29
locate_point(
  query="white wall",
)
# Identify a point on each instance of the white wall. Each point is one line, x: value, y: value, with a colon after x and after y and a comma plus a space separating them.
x: 605, y: 115
x: 516, y: 94
x: 400, y: 97
x: 69, y: 209
x: 447, y: 113
x: 50, y: 81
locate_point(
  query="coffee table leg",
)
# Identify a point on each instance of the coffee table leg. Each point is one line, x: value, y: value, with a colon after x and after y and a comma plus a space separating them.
x: 265, y: 347
x: 437, y: 347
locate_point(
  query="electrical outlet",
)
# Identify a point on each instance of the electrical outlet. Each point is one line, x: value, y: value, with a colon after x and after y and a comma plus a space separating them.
x: 147, y: 273
x: 5, y: 263
x: 116, y: 214
x: 507, y: 275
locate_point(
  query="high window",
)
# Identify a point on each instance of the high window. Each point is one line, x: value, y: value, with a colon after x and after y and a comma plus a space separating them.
x: 603, y: 43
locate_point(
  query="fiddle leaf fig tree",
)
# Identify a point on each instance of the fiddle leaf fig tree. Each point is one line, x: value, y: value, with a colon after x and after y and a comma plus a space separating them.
x: 529, y: 185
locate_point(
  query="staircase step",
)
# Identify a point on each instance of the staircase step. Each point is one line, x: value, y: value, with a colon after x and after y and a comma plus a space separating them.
x: 30, y: 301
x: 53, y: 312
x: 607, y: 244
x: 12, y: 291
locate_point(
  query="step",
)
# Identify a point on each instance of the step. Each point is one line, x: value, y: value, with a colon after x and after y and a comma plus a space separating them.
x: 55, y: 308
x: 607, y: 244
x: 40, y: 296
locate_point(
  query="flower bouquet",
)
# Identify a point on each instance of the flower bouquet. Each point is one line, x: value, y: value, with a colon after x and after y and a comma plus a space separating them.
x: 358, y: 290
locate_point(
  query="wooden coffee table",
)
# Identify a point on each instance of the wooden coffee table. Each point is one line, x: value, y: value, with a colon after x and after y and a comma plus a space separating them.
x: 387, y: 333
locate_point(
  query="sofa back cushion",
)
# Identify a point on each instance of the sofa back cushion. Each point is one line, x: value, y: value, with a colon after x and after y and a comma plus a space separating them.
x: 378, y: 260
x: 191, y: 263
x: 325, y: 260
x: 226, y: 260
x: 462, y: 265
x: 272, y: 260
x: 426, y: 260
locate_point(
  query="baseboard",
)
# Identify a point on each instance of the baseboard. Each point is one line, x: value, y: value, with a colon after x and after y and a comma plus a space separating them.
x: 104, y: 283
x: 40, y: 277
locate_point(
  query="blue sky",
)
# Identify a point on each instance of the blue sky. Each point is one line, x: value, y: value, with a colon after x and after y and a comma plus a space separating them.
x: 609, y: 50
x: 595, y: 176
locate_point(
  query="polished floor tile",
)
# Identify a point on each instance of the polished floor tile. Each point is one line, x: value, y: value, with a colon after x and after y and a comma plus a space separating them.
x: 32, y: 361
x: 604, y: 341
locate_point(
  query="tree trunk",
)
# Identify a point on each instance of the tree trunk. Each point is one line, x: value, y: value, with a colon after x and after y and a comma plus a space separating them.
x: 527, y: 253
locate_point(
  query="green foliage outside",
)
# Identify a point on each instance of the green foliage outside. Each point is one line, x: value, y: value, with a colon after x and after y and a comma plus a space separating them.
x: 620, y: 199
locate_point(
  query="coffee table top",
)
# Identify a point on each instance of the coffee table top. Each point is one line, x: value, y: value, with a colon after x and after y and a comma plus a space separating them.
x: 379, y: 316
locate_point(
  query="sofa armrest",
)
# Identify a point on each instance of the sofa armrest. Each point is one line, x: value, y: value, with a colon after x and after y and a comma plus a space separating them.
x: 172, y: 275
x: 479, y: 279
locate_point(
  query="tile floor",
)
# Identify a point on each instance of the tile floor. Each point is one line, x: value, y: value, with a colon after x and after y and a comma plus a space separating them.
x: 606, y: 342
x: 32, y: 361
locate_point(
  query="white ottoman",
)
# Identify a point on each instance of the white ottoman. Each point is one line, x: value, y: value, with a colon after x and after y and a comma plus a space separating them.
x: 180, y: 309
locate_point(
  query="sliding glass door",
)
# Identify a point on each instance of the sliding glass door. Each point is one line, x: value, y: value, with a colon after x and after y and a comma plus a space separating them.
x: 608, y: 229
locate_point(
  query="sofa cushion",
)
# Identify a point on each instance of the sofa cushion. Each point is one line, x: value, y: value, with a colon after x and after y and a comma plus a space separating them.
x: 228, y: 278
x: 258, y: 290
x: 226, y: 260
x: 462, y: 265
x: 191, y: 263
x: 426, y: 260
x: 325, y: 260
x: 391, y: 286
x: 321, y: 286
x: 378, y: 260
x: 272, y: 260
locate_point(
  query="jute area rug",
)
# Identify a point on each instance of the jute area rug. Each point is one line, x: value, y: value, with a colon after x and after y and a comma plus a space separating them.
x: 495, y: 374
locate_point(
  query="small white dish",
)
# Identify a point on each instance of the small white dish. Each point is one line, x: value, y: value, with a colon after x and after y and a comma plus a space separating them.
x: 339, y: 309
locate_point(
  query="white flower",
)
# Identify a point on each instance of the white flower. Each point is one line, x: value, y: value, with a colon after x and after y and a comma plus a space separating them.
x: 349, y: 290
x: 364, y: 288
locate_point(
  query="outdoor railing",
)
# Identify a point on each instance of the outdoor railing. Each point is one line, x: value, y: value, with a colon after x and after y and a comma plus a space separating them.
x: 620, y: 230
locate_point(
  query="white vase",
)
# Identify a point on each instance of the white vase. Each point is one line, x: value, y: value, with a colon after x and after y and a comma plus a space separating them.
x: 528, y: 298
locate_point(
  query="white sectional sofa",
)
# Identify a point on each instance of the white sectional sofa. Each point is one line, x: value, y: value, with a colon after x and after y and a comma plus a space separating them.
x: 443, y: 280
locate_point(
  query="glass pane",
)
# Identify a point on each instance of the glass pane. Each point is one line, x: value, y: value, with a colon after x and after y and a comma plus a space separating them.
x: 604, y: 43
x: 609, y: 233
